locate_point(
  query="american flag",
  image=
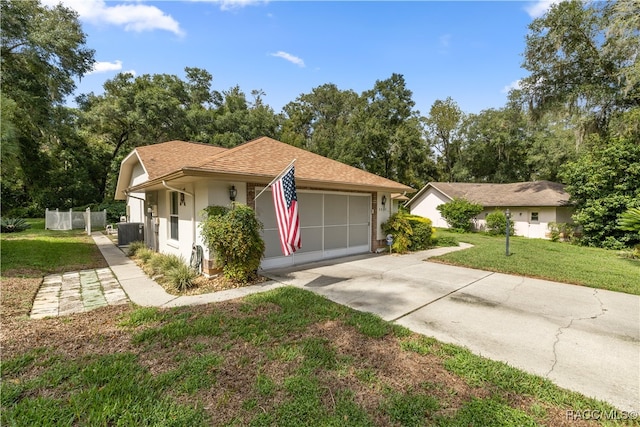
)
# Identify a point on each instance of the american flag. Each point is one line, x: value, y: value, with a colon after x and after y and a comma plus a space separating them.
x: 285, y: 200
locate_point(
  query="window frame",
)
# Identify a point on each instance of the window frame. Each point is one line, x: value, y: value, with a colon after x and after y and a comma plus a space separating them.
x: 537, y: 216
x: 174, y: 216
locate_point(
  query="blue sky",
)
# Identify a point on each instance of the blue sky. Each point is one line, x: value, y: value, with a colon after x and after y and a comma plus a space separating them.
x: 470, y: 51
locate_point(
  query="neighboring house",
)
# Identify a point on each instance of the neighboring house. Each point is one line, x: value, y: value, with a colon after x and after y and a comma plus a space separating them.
x: 168, y: 185
x: 533, y: 205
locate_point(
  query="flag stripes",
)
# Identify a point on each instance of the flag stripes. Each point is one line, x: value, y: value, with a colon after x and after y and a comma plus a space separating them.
x: 285, y: 200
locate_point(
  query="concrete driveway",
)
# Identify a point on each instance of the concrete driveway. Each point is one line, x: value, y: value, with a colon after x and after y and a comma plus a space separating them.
x: 582, y: 339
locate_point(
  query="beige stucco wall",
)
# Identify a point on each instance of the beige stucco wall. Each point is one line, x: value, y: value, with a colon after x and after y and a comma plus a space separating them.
x: 426, y: 205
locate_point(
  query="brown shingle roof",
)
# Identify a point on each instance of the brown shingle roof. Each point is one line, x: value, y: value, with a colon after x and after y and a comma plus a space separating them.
x: 259, y: 160
x: 267, y: 157
x: 166, y: 157
x: 535, y: 193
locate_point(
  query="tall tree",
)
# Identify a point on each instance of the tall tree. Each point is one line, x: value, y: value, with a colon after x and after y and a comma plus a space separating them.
x: 494, y: 148
x: 319, y: 121
x: 583, y: 57
x: 443, y: 127
x: 236, y: 120
x: 603, y: 184
x: 42, y: 50
x: 133, y: 111
x: 387, y: 132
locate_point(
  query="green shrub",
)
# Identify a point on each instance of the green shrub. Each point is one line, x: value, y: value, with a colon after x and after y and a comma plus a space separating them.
x: 497, y: 224
x: 410, y: 232
x: 459, y: 214
x: 144, y: 254
x: 134, y: 247
x: 399, y: 227
x: 155, y: 264
x: 170, y: 261
x: 181, y: 277
x: 234, y: 238
x: 561, y: 231
x: 14, y: 225
x: 422, y: 227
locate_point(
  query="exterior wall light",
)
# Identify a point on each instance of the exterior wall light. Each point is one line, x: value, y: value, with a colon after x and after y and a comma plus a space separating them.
x: 233, y: 193
x: 384, y: 200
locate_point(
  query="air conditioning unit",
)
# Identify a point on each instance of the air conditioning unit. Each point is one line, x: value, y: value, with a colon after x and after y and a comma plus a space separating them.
x: 130, y: 232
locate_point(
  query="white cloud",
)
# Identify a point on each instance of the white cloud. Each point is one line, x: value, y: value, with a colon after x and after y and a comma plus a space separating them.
x: 104, y: 66
x: 132, y: 17
x: 512, y: 85
x: 291, y: 58
x: 540, y: 7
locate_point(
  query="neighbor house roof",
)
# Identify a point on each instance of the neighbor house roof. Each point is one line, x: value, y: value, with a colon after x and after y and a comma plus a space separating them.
x: 257, y: 161
x: 533, y: 193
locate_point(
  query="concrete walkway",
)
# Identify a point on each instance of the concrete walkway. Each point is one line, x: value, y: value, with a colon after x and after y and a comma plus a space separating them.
x: 583, y: 339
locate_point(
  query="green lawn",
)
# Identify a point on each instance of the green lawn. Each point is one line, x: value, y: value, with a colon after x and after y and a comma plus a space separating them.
x: 36, y: 252
x: 287, y: 357
x: 562, y: 262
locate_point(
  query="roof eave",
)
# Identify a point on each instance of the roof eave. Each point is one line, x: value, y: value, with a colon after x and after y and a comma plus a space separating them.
x: 264, y: 180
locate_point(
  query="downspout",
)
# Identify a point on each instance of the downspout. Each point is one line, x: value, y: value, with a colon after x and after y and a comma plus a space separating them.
x: 193, y: 211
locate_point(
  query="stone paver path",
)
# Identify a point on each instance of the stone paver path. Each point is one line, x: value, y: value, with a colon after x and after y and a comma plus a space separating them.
x: 64, y: 294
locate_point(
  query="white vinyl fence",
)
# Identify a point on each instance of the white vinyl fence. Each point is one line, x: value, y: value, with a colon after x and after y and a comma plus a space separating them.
x: 69, y: 220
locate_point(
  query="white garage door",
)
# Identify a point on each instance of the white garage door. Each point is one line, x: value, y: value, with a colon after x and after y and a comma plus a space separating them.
x: 331, y: 225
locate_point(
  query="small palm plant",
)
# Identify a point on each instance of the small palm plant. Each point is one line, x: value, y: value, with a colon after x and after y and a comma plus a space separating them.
x: 630, y: 220
x: 14, y: 225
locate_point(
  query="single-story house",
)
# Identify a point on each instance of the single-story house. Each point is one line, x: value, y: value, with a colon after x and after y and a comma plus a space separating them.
x: 168, y: 185
x: 533, y: 205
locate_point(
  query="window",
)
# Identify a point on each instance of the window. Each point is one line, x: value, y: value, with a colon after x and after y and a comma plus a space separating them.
x: 173, y: 216
x: 534, y: 217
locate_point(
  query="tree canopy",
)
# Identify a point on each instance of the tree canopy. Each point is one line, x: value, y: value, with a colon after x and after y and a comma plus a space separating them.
x: 574, y: 119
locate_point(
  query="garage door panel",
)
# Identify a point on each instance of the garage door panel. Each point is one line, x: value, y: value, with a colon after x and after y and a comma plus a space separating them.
x: 358, y: 235
x: 311, y: 240
x: 265, y: 210
x: 335, y: 237
x: 310, y: 209
x: 359, y: 210
x: 335, y: 209
x: 271, y: 243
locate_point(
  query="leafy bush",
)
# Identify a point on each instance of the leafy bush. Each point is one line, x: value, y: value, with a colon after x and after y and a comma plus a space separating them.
x: 422, y: 232
x: 561, y: 231
x: 399, y: 227
x: 410, y: 232
x: 604, y: 183
x: 181, y: 277
x: 13, y: 225
x: 458, y: 213
x: 497, y: 224
x: 234, y: 237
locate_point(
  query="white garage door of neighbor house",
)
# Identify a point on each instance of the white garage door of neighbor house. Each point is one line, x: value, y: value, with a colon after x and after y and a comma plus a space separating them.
x: 331, y: 225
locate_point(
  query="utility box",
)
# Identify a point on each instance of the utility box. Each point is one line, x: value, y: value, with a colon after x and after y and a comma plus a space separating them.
x: 130, y: 232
